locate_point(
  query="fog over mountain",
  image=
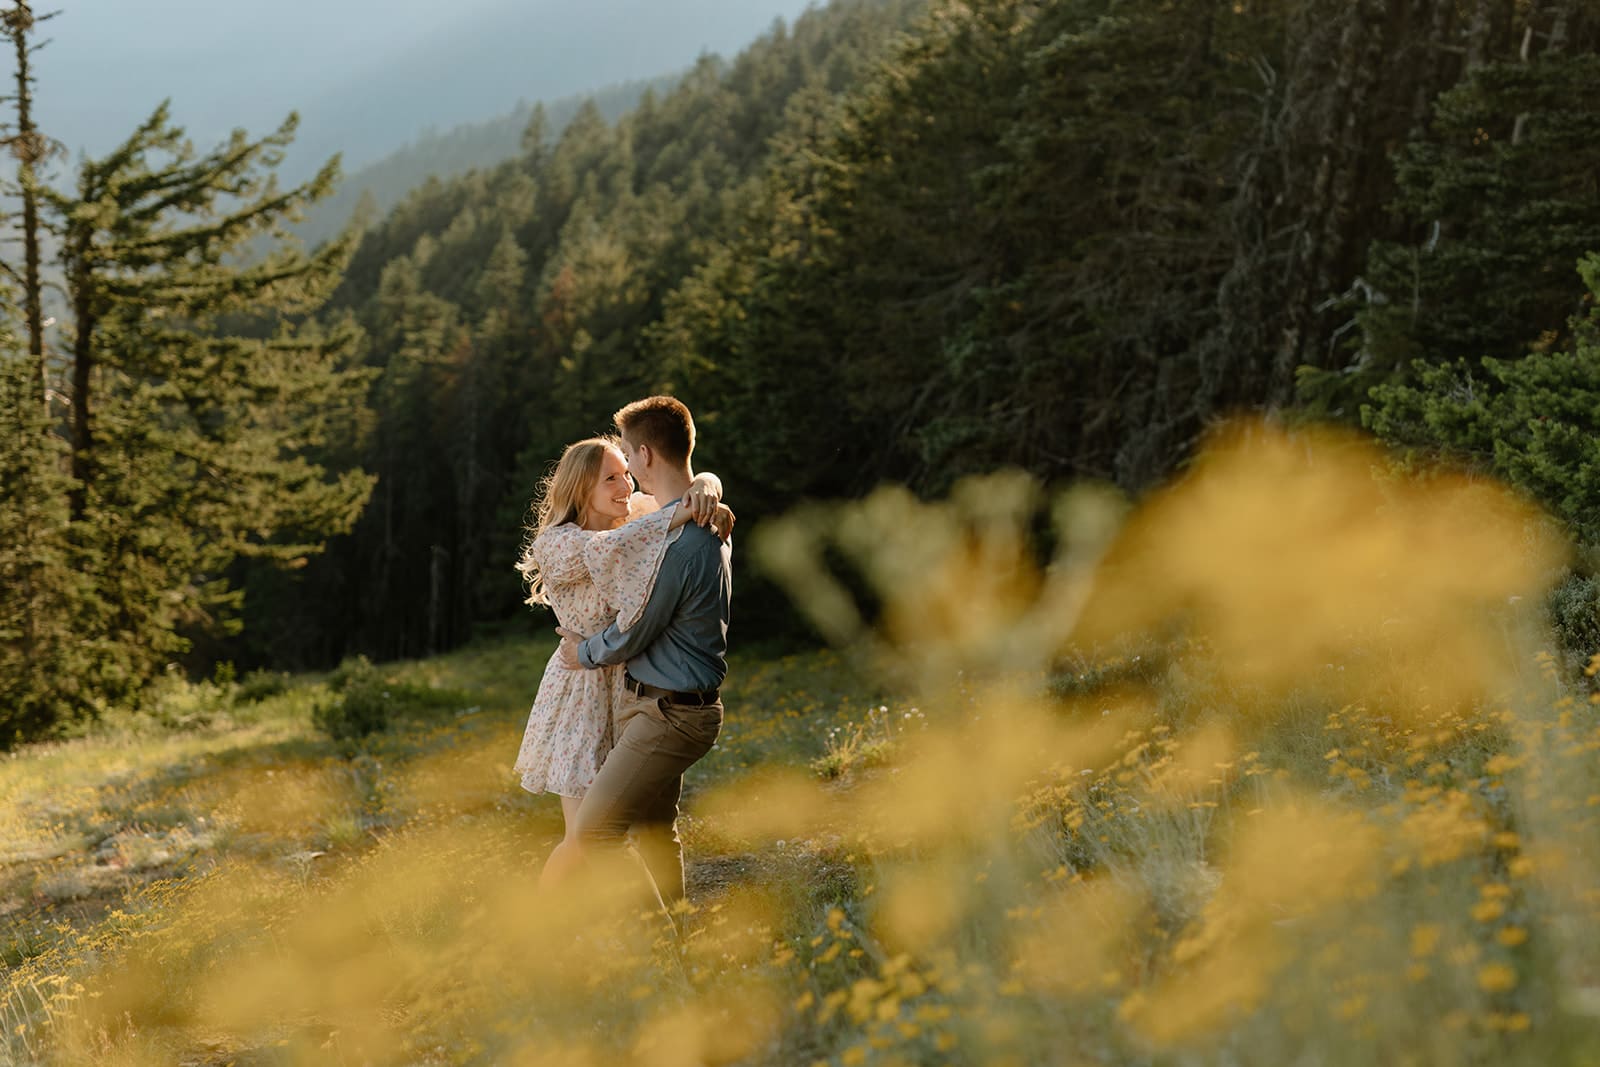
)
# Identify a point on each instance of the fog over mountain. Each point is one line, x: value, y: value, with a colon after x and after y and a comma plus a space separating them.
x: 367, y: 76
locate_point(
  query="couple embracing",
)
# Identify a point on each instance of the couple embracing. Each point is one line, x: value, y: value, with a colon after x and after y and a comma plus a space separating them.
x: 640, y: 583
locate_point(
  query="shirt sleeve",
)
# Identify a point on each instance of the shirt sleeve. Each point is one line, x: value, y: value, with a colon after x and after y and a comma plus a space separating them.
x: 624, y: 562
x: 558, y: 552
x: 616, y: 645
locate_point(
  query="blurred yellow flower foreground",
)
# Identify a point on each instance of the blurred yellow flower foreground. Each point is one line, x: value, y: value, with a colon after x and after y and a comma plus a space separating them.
x: 1270, y: 768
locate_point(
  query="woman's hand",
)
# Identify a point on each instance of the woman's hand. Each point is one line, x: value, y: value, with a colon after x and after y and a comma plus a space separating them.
x: 703, y: 498
x: 722, y: 520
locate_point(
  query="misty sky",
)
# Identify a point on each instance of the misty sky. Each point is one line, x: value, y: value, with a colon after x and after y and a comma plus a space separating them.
x: 358, y: 70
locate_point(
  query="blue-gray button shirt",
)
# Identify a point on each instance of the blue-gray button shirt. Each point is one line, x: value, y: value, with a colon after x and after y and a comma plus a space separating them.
x: 681, y: 640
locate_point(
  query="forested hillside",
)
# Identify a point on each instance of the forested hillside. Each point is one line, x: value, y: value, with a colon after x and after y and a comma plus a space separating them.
x: 907, y: 241
x: 511, y: 311
x: 376, y: 188
x: 1063, y: 236
x: 366, y: 77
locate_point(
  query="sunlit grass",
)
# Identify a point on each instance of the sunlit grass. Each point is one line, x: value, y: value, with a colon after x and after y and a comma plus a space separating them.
x: 1204, y: 789
x: 176, y: 851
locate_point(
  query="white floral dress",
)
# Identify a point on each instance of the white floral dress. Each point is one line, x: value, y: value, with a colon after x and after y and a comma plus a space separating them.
x: 592, y: 578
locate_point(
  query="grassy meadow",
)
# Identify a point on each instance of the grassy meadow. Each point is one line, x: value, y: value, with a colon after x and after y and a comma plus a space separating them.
x: 1277, y: 768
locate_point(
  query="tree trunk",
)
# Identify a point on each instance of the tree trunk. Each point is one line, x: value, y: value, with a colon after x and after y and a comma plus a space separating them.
x: 82, y: 374
x: 1560, y: 24
x: 30, y: 149
x: 1438, y: 16
x: 1480, y: 29
x: 438, y: 567
x: 1330, y: 242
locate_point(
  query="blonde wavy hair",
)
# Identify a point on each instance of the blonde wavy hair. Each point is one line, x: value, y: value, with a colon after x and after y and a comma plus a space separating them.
x: 562, y: 496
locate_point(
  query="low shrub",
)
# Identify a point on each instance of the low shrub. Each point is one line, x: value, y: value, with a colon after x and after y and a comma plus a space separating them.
x: 258, y: 685
x: 1575, y: 617
x: 360, y: 704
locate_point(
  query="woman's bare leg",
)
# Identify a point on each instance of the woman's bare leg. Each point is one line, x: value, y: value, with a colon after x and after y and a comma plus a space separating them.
x: 565, y: 858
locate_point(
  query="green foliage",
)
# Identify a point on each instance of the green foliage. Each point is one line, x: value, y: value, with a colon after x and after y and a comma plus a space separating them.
x: 46, y: 665
x: 1575, y: 616
x: 858, y: 745
x: 361, y: 703
x: 893, y: 241
x: 378, y: 187
x: 175, y: 704
x: 259, y: 685
x: 506, y: 313
x: 1029, y: 237
x: 906, y: 242
x: 1499, y: 199
x: 202, y: 400
x: 364, y: 700
x: 1533, y: 420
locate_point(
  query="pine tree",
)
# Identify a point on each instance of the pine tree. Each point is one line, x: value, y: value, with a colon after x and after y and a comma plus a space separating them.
x: 1496, y: 199
x: 47, y: 656
x: 199, y: 396
x: 1509, y: 195
x: 1533, y: 420
x: 407, y: 533
x: 46, y: 652
x: 499, y: 386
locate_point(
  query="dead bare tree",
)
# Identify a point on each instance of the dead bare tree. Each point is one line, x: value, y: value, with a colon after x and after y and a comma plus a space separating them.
x: 19, y: 24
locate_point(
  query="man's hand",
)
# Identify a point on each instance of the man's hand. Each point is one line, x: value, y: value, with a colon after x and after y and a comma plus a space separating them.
x: 568, y: 652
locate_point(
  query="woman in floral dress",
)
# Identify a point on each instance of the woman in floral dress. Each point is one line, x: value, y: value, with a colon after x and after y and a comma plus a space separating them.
x: 592, y: 556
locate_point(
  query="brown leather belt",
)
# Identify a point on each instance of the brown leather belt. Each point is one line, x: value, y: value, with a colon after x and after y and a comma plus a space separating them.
x: 690, y: 698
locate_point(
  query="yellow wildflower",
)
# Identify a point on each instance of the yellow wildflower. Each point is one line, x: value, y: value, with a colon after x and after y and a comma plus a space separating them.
x: 1425, y: 938
x: 1496, y: 978
x: 1488, y: 910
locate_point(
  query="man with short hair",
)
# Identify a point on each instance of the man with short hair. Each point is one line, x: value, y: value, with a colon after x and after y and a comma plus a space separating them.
x: 676, y: 656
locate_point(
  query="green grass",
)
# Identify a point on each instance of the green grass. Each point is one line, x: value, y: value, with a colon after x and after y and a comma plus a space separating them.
x: 1112, y: 868
x: 144, y: 806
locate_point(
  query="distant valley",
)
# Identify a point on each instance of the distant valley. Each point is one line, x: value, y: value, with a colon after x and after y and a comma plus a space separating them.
x: 401, y: 92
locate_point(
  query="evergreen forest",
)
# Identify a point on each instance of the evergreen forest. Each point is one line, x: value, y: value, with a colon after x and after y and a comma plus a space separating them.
x: 375, y: 189
x: 895, y: 241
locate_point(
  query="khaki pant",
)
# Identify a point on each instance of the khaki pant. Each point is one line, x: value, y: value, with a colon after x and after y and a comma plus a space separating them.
x: 638, y: 785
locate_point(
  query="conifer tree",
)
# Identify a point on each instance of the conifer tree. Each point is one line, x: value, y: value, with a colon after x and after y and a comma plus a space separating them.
x: 199, y: 394
x: 1533, y: 420
x: 1501, y: 198
x: 46, y: 654
x: 47, y: 657
x: 498, y: 387
x: 408, y: 529
x: 1493, y: 196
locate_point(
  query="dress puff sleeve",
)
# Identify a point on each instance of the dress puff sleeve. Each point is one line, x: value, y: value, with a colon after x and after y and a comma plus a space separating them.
x: 624, y: 561
x: 558, y: 553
